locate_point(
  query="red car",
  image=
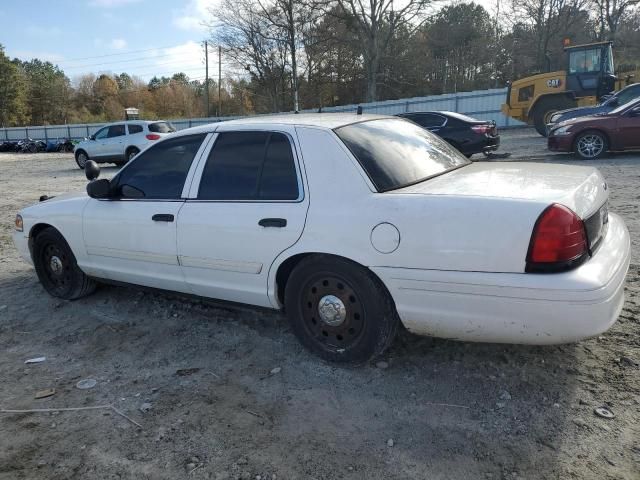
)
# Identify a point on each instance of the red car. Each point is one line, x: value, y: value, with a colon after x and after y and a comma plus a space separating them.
x: 591, y: 137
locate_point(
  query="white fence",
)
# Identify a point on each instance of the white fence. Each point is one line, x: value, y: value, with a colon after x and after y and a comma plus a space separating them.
x: 481, y: 104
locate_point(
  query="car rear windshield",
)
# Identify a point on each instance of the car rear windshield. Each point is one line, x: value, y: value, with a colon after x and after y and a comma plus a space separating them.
x: 396, y: 153
x: 161, y: 127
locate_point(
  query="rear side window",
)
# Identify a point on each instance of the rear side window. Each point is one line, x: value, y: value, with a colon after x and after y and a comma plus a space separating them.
x: 134, y: 129
x: 160, y: 171
x: 250, y: 166
x: 161, y: 127
x: 396, y: 153
x: 427, y: 120
x: 115, y: 131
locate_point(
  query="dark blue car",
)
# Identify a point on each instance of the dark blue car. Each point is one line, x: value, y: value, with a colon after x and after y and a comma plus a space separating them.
x: 620, y: 97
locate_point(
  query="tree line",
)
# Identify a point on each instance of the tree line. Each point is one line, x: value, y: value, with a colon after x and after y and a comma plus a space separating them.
x: 290, y: 54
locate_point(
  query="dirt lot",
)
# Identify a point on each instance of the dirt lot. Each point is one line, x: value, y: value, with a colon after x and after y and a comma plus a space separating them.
x: 452, y: 410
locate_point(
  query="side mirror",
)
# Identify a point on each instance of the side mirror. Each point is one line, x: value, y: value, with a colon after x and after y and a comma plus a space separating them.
x: 99, y: 188
x: 91, y: 170
x: 92, y: 137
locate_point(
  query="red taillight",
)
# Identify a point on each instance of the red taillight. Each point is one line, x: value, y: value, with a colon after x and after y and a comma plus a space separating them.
x: 153, y: 136
x: 482, y: 129
x: 558, y: 240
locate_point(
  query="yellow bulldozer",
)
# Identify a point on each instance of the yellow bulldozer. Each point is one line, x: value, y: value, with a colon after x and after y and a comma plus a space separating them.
x: 589, y: 75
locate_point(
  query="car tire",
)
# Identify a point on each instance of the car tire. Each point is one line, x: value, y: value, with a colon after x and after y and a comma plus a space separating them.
x: 57, y: 268
x: 81, y: 158
x: 130, y: 153
x: 545, y: 108
x: 358, y: 321
x: 591, y: 145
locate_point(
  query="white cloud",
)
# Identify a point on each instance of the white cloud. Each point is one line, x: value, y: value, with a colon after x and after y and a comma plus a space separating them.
x: 110, y: 3
x: 192, y: 16
x: 118, y: 43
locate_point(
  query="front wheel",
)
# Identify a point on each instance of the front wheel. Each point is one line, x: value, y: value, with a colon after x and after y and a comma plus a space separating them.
x: 57, y: 268
x: 81, y: 159
x: 590, y: 145
x: 339, y: 310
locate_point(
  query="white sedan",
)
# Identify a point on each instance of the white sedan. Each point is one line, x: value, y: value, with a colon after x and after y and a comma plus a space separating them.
x: 352, y: 224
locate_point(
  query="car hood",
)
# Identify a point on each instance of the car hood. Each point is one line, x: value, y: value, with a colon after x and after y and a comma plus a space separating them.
x: 57, y: 201
x: 582, y: 189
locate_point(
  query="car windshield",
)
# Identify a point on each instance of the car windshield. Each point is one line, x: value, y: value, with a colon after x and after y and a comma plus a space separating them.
x: 622, y: 108
x: 396, y: 153
x: 161, y: 127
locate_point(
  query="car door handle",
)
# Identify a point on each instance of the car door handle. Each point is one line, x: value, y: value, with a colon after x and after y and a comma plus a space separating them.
x: 162, y: 217
x: 273, y: 222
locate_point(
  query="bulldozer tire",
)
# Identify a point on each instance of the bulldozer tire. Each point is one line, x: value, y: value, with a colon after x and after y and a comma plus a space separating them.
x: 545, y: 108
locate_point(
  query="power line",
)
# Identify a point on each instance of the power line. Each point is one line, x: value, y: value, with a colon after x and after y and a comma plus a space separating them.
x: 121, y: 53
x: 119, y: 61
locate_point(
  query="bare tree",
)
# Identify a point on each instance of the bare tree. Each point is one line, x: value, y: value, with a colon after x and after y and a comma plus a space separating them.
x: 610, y: 12
x: 547, y: 18
x: 253, y: 43
x: 375, y: 23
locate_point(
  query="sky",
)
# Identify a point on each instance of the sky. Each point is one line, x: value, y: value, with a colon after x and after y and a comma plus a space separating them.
x: 140, y: 37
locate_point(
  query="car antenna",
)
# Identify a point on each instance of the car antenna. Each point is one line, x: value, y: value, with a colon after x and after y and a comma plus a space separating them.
x: 359, y: 110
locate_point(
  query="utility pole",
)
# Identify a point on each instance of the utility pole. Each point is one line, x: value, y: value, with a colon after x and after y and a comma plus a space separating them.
x: 206, y: 73
x: 219, y: 80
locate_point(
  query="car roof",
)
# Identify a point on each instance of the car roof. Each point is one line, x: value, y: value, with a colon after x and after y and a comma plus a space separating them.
x: 319, y: 120
x: 127, y: 122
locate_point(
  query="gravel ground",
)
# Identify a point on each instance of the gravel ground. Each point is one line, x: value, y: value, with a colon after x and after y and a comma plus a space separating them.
x: 256, y: 405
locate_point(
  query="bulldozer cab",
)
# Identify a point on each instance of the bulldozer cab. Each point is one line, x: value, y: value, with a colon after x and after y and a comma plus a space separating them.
x: 590, y: 69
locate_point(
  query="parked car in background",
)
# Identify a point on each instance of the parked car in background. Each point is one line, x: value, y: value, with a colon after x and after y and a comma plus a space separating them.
x: 467, y: 134
x: 119, y: 142
x: 351, y: 224
x: 613, y: 101
x: 593, y: 136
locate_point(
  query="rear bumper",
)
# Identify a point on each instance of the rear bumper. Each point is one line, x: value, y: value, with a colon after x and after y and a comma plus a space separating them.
x: 560, y: 143
x: 516, y: 307
x: 481, y: 144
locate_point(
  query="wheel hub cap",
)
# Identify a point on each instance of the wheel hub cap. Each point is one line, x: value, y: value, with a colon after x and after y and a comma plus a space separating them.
x: 332, y: 311
x: 55, y: 264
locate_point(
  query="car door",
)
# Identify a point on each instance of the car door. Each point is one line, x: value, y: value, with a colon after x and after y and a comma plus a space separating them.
x: 97, y: 144
x: 131, y: 237
x: 115, y: 142
x: 628, y: 126
x: 247, y: 206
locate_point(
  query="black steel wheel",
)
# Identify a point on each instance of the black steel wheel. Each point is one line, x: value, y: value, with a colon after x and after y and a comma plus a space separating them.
x: 339, y: 310
x: 57, y: 268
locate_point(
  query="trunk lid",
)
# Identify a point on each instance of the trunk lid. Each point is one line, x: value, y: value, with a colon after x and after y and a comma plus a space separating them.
x: 582, y: 189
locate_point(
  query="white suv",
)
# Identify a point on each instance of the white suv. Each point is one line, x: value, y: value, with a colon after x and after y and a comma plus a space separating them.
x: 120, y: 142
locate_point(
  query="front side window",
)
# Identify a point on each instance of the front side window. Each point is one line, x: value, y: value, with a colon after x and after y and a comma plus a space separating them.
x: 584, y: 61
x: 628, y: 94
x: 250, y: 166
x: 102, y: 133
x: 159, y: 172
x: 395, y: 153
x: 116, y: 131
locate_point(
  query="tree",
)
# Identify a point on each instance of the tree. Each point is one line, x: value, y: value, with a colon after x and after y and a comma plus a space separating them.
x: 255, y: 44
x: 12, y: 92
x: 48, y: 92
x: 610, y: 12
x: 376, y: 22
